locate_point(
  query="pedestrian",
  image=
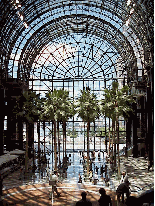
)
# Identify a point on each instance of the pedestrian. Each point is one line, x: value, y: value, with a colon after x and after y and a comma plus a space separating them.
x: 81, y: 159
x: 102, y: 170
x: 95, y: 178
x: 80, y: 179
x: 105, y: 170
x: 47, y: 172
x: 93, y: 155
x: 105, y: 199
x: 83, y: 155
x: 122, y: 189
x: 106, y: 180
x: 98, y: 155
x: 97, y: 169
x: 83, y: 201
x: 124, y: 177
x: 53, y: 181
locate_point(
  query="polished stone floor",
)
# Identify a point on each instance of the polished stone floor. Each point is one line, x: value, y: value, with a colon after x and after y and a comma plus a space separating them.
x: 34, y: 190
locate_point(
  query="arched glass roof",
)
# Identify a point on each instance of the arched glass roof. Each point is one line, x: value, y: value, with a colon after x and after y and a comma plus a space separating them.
x: 75, y: 39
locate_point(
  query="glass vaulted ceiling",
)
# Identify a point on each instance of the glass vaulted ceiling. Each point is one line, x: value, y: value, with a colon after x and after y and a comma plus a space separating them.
x: 74, y: 40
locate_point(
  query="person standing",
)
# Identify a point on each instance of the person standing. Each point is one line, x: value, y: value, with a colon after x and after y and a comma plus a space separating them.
x: 105, y: 199
x: 102, y: 170
x: 95, y: 178
x: 80, y: 179
x: 105, y: 170
x: 96, y: 169
x: 83, y: 201
x: 98, y: 155
x: 124, y: 177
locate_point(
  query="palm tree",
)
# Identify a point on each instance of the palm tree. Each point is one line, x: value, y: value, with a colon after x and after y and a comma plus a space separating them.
x: 51, y: 109
x: 88, y: 109
x: 117, y: 103
x: 58, y: 108
x: 67, y: 111
x: 29, y: 112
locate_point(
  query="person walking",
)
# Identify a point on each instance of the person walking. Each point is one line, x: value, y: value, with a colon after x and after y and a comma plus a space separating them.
x: 83, y: 201
x: 53, y: 181
x: 105, y: 200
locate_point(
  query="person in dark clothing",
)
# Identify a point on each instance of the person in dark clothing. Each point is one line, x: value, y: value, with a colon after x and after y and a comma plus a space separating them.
x: 132, y: 201
x: 105, y: 170
x: 122, y: 188
x: 105, y: 199
x: 99, y: 155
x: 80, y: 179
x: 102, y: 170
x: 97, y: 169
x: 83, y: 201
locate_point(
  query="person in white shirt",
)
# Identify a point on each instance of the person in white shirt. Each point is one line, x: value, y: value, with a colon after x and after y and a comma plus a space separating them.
x: 95, y: 178
x: 124, y: 177
x: 53, y: 181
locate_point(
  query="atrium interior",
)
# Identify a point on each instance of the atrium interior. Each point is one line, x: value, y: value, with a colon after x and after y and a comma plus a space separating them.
x: 75, y: 46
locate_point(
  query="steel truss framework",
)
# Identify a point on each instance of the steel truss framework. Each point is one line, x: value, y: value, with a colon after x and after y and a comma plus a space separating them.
x: 51, y: 44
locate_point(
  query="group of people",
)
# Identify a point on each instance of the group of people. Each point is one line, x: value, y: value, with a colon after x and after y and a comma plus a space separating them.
x: 103, y: 200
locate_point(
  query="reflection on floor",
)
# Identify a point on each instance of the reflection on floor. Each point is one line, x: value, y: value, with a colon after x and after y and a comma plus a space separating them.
x: 34, y: 190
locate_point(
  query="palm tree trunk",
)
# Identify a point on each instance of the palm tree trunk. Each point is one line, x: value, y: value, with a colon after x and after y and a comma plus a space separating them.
x: 88, y: 126
x: 20, y: 132
x: 55, y: 147
x: 114, y: 144
x: 44, y: 136
x: 63, y: 138
x: 38, y: 131
x: 26, y: 148
x: 109, y: 142
x: 58, y: 140
x: 84, y: 137
x: 64, y: 134
x: 117, y: 131
x: 73, y: 143
x: 109, y: 138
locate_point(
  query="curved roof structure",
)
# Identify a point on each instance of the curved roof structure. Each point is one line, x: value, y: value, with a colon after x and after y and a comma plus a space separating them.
x: 76, y: 39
